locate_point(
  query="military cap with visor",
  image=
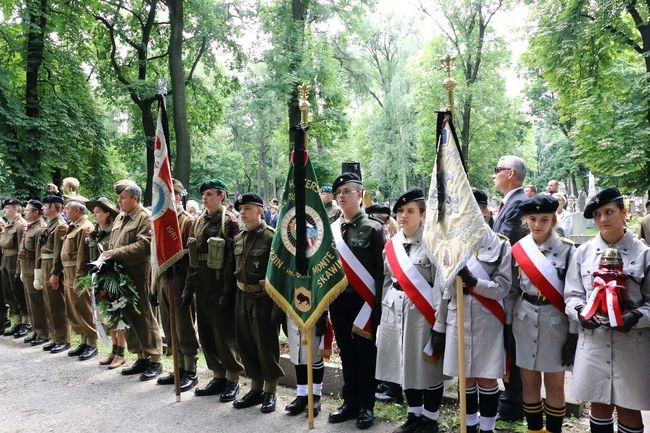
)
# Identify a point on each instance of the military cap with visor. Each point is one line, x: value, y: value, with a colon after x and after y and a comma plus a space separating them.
x: 414, y: 194
x: 539, y: 204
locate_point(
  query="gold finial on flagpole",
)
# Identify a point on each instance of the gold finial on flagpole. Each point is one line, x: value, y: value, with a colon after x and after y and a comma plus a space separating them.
x: 449, y: 83
x: 303, y: 103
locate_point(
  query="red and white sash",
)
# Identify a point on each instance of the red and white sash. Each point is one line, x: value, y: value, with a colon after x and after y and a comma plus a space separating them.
x: 604, y: 294
x: 409, y: 278
x: 539, y: 270
x: 496, y: 307
x: 361, y: 280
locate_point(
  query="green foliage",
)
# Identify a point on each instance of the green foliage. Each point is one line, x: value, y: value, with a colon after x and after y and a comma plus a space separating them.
x: 592, y: 55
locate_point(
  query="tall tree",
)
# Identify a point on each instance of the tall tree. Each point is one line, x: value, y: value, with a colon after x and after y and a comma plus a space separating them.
x: 596, y: 56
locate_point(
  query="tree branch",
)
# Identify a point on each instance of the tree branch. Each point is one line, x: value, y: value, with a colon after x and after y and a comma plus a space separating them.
x: 204, y: 46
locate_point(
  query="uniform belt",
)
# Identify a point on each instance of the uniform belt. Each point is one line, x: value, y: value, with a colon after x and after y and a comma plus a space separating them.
x: 68, y: 263
x: 396, y: 286
x: 9, y: 253
x: 250, y: 288
x: 27, y: 255
x: 536, y: 299
x: 203, y: 257
x: 45, y: 256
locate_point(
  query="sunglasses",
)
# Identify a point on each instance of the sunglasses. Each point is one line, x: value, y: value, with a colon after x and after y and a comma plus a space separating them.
x: 498, y: 169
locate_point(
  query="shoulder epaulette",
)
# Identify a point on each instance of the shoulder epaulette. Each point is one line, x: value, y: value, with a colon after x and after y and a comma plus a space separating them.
x: 567, y: 241
x: 504, y: 237
x: 271, y: 229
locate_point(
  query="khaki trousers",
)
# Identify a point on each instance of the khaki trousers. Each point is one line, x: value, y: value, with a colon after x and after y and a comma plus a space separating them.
x: 54, y: 300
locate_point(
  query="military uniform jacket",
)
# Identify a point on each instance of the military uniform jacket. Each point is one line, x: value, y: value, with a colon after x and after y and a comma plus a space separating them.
x: 99, y: 236
x: 611, y: 367
x: 11, y: 238
x: 404, y: 331
x: 484, y: 355
x: 185, y: 223
x: 75, y: 251
x: 365, y: 237
x: 541, y: 330
x: 252, y: 250
x: 207, y: 226
x: 130, y: 244
x: 29, y: 245
x: 333, y: 211
x: 49, y: 246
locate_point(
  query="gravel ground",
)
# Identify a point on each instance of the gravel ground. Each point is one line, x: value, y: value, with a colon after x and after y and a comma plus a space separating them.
x: 41, y: 392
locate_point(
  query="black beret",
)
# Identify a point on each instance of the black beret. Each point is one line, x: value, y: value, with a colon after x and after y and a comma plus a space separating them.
x: 12, y: 202
x: 35, y: 204
x: 414, y: 194
x: 378, y: 209
x: 344, y: 178
x: 480, y: 196
x: 249, y: 198
x: 50, y: 199
x: 541, y: 203
x: 215, y: 183
x: 601, y: 198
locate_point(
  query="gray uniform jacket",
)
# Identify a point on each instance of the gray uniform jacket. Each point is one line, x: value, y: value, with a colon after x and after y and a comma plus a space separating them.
x: 541, y: 330
x: 484, y: 354
x: 611, y: 367
x: 403, y: 331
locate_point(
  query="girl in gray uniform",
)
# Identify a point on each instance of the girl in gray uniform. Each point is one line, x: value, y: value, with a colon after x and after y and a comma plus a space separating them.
x: 545, y: 340
x: 404, y: 330
x: 611, y: 366
x: 487, y: 279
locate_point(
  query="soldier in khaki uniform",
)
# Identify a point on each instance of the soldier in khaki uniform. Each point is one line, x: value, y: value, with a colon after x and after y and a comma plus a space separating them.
x: 332, y: 209
x: 50, y: 272
x: 75, y: 256
x: 257, y: 337
x: 211, y: 276
x: 174, y: 279
x: 10, y: 240
x: 27, y: 259
x: 129, y: 246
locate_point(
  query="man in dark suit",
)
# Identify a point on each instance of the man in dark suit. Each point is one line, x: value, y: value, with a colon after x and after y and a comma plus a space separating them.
x: 508, y: 177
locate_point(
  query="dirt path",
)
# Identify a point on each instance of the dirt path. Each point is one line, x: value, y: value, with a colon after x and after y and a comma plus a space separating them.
x: 40, y: 392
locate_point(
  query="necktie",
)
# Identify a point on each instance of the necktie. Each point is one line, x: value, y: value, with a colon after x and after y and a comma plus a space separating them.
x: 407, y: 248
x: 499, y: 208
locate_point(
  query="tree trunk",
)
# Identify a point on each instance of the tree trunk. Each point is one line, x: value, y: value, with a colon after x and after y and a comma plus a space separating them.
x: 177, y: 73
x: 27, y: 172
x: 149, y: 127
x: 464, y: 132
x: 295, y: 46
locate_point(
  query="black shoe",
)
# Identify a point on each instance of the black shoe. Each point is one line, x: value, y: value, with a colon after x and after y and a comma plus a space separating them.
x: 22, y: 330
x: 11, y: 330
x: 411, y: 425
x: 154, y: 370
x: 343, y: 413
x: 389, y: 393
x: 139, y: 366
x: 167, y: 379
x: 365, y: 419
x: 214, y: 387
x: 316, y: 405
x: 252, y: 398
x: 88, y: 353
x: 77, y: 350
x: 29, y: 338
x: 58, y: 348
x: 37, y: 341
x: 268, y: 402
x: 509, y: 413
x: 188, y: 380
x: 428, y: 426
x: 49, y: 346
x: 229, y: 392
x: 297, y: 406
x: 7, y: 323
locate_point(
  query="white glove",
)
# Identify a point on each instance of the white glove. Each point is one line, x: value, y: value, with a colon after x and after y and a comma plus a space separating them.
x: 37, y: 279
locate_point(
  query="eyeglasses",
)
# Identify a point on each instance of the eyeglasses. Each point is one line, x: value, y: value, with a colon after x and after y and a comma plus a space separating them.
x: 339, y: 192
x: 498, y: 169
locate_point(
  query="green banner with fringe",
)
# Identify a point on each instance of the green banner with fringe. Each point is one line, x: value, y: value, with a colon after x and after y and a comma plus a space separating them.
x: 304, y: 296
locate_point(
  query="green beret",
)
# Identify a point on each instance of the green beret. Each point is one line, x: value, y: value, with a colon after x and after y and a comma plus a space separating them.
x: 215, y: 183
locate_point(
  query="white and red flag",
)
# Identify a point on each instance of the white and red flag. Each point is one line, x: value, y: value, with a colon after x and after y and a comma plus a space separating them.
x: 166, y: 241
